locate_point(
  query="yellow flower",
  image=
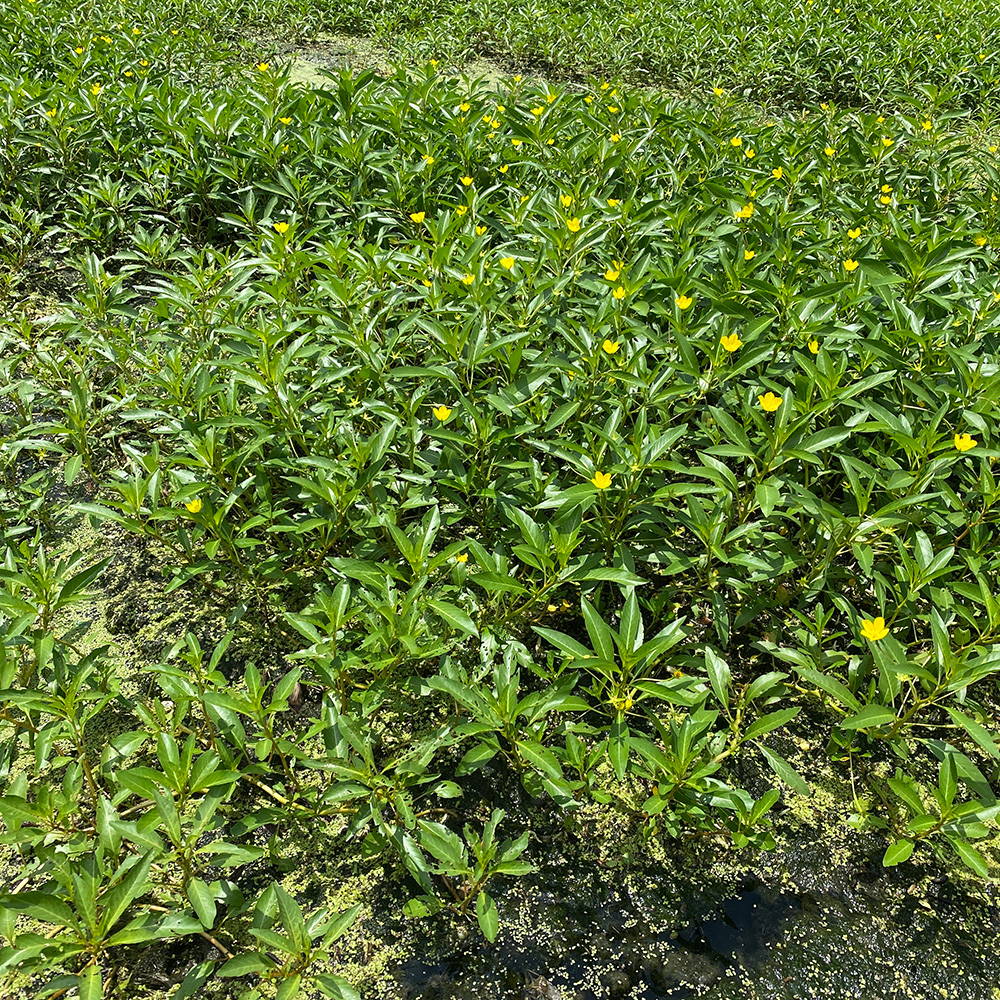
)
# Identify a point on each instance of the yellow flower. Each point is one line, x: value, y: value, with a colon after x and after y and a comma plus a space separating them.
x: 616, y: 137
x: 769, y: 402
x: 963, y: 442
x: 610, y: 346
x: 285, y: 121
x: 428, y: 159
x: 503, y: 168
x: 468, y: 279
x: 927, y: 125
x: 466, y: 181
x: 886, y: 188
x: 814, y: 346
x: 887, y: 142
x: 461, y: 209
x: 78, y: 51
x: 854, y: 233
x: 588, y: 99
x: 612, y: 273
x: 263, y: 67
x: 749, y: 153
x: 442, y: 412
x: 749, y: 254
x: 602, y: 480
x: 537, y: 111
x: 281, y: 227
x: 885, y: 199
x: 874, y: 629
x: 745, y: 212
x: 517, y: 142
x: 136, y: 31
x: 96, y: 89
x: 718, y: 91
x: 683, y: 302
x: 507, y: 263
x: 480, y: 230
x: 619, y: 292
x: 830, y: 151
x: 731, y: 342
x: 850, y: 265
x: 614, y: 202
x: 417, y: 216
x: 194, y: 505
x: 462, y: 557
x: 778, y: 173
x: 566, y: 200
x: 51, y: 113
x: 980, y: 241
x: 464, y: 106
x: 573, y: 225
x: 736, y: 141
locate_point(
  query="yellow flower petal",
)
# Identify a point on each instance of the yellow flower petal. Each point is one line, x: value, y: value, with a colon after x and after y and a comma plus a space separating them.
x: 874, y: 629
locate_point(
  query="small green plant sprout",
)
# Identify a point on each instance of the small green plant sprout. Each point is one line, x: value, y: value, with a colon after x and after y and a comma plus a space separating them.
x: 457, y: 871
x: 291, y: 946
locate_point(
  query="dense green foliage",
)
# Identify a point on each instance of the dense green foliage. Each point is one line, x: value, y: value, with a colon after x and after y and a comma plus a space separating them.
x: 584, y: 439
x: 793, y: 53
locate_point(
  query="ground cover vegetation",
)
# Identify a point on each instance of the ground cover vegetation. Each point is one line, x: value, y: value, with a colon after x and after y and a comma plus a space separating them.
x: 579, y: 438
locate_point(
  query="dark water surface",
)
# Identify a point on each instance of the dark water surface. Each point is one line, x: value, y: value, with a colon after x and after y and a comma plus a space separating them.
x: 803, y: 930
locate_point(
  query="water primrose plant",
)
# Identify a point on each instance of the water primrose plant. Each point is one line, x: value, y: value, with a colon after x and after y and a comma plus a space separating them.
x: 500, y: 451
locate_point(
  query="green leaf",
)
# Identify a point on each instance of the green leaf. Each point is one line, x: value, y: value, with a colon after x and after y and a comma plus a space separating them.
x: 289, y: 988
x: 970, y: 856
x: 768, y: 723
x: 336, y: 988
x: 719, y: 675
x: 897, y: 852
x: 825, y: 438
x: 41, y: 906
x: 91, y: 983
x: 203, y: 901
x: 618, y: 746
x: 870, y: 717
x: 786, y: 772
x: 833, y: 687
x: 454, y: 616
x: 486, y: 914
x: 245, y: 965
x: 540, y: 758
x: 443, y: 844
x: 978, y: 733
